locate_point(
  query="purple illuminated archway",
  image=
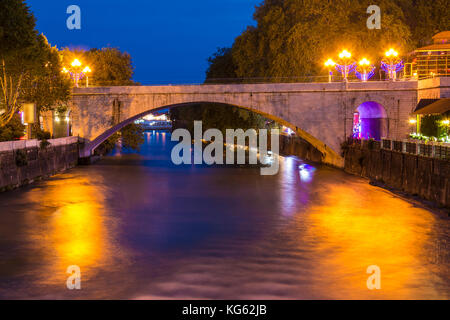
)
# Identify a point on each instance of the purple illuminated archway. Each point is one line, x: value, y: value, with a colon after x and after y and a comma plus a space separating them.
x: 373, y: 120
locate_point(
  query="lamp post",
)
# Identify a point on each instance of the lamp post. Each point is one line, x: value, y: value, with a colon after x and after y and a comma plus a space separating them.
x: 86, y: 71
x: 330, y: 64
x: 391, y: 65
x: 346, y: 65
x: 76, y: 73
x: 365, y: 69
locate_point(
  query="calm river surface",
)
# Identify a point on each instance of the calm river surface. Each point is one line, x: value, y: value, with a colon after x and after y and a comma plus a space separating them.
x: 142, y: 228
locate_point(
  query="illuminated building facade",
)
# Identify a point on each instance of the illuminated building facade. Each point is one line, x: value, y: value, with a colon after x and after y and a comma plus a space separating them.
x: 431, y: 61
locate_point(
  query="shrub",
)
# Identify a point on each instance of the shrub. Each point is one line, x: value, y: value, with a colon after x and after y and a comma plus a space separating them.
x: 42, y: 135
x: 13, y: 130
x: 44, y: 143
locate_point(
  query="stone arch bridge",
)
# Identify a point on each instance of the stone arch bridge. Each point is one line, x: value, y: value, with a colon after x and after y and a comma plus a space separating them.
x: 321, y: 113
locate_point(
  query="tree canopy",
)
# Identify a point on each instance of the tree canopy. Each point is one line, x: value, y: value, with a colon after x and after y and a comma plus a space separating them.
x: 30, y: 67
x: 293, y: 37
x: 110, y: 66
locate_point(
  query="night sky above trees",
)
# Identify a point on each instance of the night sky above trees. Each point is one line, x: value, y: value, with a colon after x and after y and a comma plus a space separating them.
x: 169, y: 41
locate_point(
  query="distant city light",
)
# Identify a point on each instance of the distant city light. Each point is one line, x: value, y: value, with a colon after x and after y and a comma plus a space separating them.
x: 152, y: 117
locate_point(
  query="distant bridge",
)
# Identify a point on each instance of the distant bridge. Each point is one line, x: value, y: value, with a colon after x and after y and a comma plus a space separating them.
x: 321, y: 113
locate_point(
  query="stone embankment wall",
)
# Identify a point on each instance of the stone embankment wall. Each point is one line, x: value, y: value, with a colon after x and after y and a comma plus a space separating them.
x: 23, y: 162
x: 426, y: 177
x: 296, y: 146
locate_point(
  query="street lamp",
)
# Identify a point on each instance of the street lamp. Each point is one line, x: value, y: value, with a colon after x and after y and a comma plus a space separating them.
x: 391, y: 65
x: 330, y: 64
x: 346, y: 65
x: 86, y: 71
x: 76, y: 73
x: 365, y: 70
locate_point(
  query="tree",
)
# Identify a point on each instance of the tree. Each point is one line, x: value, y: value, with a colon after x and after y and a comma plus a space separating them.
x: 131, y: 137
x: 110, y: 66
x: 47, y: 87
x: 13, y: 130
x: 216, y: 116
x: 30, y: 67
x: 221, y: 66
x: 17, y: 41
x: 292, y: 38
x: 425, y: 18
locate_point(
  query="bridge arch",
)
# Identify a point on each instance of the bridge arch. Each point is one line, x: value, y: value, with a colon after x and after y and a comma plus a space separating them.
x: 329, y: 156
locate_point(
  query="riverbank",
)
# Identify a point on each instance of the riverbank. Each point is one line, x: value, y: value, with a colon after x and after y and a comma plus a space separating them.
x: 24, y: 162
x: 414, y: 176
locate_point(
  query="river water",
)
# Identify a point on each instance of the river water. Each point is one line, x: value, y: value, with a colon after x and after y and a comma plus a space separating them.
x: 140, y: 227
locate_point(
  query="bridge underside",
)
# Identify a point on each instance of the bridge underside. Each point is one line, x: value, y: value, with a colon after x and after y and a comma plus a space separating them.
x: 329, y: 156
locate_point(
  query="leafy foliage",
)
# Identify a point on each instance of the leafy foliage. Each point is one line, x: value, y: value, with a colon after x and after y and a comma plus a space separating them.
x: 13, y: 130
x: 110, y: 66
x: 221, y: 66
x: 293, y: 37
x: 30, y: 67
x: 430, y: 126
x: 218, y: 117
x: 425, y: 18
x: 131, y: 136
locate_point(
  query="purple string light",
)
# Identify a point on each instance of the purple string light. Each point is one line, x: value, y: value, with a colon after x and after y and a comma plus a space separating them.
x: 350, y: 68
x: 397, y: 67
x: 366, y: 76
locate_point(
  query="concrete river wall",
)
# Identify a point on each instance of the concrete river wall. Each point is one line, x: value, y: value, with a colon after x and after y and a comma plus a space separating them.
x: 426, y: 177
x: 23, y: 162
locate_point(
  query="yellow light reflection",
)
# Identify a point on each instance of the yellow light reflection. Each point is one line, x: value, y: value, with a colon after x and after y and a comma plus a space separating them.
x: 74, y: 233
x: 351, y: 236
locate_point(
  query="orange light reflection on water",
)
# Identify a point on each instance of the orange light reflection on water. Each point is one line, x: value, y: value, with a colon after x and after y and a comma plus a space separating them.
x: 72, y: 229
x: 350, y: 236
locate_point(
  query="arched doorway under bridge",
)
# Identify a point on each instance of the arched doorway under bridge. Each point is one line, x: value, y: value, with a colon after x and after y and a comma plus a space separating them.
x: 370, y: 121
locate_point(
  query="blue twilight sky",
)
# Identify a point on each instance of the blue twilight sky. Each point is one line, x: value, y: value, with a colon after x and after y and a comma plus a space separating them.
x: 169, y: 40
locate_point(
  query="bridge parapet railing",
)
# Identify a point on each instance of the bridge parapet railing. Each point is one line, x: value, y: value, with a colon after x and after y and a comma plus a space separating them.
x: 432, y: 150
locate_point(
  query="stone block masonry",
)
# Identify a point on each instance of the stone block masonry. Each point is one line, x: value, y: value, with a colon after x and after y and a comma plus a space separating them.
x: 23, y: 162
x: 416, y: 175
